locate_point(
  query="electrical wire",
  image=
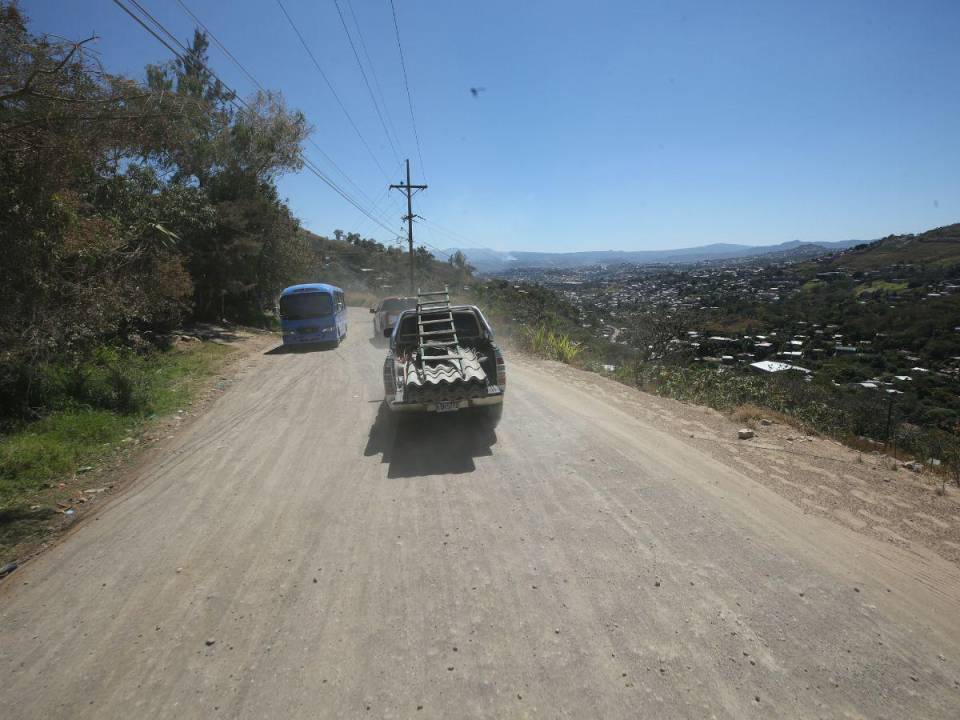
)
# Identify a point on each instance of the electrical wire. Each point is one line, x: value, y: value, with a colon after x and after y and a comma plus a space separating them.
x: 234, y: 100
x: 144, y: 26
x: 366, y: 82
x: 221, y: 46
x: 238, y: 101
x: 379, y: 207
x: 373, y: 71
x: 256, y: 82
x: 406, y: 83
x: 330, y: 87
x: 454, y: 236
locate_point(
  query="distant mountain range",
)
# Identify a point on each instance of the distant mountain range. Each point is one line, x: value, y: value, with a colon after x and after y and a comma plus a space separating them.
x: 493, y: 261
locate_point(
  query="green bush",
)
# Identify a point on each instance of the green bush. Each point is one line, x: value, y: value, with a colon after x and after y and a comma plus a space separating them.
x: 115, y: 379
x: 554, y: 346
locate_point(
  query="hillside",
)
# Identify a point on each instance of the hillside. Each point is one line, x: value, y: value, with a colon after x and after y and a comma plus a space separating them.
x: 362, y: 266
x: 940, y: 246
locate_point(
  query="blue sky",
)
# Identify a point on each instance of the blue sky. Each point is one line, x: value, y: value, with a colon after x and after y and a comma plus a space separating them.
x: 620, y: 124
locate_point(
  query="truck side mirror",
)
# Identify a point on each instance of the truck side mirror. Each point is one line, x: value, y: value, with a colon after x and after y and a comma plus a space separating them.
x: 373, y: 311
x: 387, y: 332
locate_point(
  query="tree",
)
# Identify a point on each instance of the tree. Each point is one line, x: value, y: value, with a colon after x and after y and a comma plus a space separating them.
x: 458, y: 261
x: 234, y: 156
x: 87, y: 251
x: 126, y: 206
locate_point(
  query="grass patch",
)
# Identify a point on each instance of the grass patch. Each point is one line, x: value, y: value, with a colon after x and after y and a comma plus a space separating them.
x: 879, y: 285
x: 751, y: 415
x: 114, y: 396
x: 179, y: 373
x: 54, y: 447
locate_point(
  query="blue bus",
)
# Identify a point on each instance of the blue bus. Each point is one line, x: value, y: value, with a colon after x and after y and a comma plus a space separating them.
x: 313, y: 313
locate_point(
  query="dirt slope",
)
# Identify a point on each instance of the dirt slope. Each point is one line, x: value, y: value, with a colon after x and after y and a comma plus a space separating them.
x: 291, y: 554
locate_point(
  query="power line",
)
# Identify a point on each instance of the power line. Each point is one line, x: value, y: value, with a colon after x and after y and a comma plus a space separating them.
x: 336, y: 188
x: 145, y: 26
x: 309, y: 164
x: 447, y: 231
x: 373, y: 71
x: 379, y: 206
x: 366, y: 82
x: 434, y: 248
x: 332, y: 91
x: 234, y: 99
x: 221, y: 46
x: 406, y: 83
x: 256, y: 82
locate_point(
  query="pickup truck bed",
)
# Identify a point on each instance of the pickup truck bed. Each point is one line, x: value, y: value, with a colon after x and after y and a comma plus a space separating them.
x: 463, y: 369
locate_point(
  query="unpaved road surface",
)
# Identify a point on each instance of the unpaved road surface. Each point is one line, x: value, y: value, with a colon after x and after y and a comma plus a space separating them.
x: 290, y: 554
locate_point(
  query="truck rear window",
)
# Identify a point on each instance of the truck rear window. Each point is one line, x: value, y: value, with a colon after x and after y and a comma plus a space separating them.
x: 397, y: 304
x: 465, y: 323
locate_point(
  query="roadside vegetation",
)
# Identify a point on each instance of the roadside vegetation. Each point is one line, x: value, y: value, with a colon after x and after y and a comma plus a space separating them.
x: 96, y: 412
x: 96, y: 404
x: 128, y: 208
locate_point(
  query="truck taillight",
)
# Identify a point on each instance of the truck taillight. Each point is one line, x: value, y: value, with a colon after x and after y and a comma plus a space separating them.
x: 501, y: 371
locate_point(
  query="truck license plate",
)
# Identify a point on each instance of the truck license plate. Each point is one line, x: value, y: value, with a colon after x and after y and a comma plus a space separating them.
x: 446, y: 406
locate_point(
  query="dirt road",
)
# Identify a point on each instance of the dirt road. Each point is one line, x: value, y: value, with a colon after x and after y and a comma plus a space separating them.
x: 289, y: 555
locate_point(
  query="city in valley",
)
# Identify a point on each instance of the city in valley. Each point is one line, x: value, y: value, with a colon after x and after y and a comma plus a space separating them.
x: 877, y: 323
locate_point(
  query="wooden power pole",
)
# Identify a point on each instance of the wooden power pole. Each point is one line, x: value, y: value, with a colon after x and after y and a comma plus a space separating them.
x: 408, y: 190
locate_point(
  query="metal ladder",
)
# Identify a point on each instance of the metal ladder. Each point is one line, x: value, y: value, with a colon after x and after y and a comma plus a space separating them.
x: 436, y: 334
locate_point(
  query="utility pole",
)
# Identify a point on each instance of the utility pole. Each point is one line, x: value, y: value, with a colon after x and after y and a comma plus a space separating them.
x: 408, y: 190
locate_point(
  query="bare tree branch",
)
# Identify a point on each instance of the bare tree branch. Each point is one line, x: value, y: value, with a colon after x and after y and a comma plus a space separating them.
x: 27, y: 88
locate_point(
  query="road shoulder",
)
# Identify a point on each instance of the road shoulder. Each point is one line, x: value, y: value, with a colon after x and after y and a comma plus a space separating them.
x: 804, y: 492
x: 70, y: 502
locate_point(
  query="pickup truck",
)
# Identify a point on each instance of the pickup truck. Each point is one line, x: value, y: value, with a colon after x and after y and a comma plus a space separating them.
x: 442, y: 358
x: 387, y: 311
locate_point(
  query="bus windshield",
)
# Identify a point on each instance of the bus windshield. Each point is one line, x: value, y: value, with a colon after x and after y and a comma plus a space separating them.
x: 306, y: 305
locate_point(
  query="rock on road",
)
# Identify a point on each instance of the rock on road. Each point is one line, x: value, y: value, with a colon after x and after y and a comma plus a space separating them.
x: 291, y: 554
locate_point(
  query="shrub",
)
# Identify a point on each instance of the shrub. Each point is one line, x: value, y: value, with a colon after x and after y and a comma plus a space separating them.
x: 555, y: 346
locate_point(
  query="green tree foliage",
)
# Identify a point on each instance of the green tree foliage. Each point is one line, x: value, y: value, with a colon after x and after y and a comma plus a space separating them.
x: 88, y: 250
x: 458, y: 261
x: 129, y: 206
x: 232, y: 156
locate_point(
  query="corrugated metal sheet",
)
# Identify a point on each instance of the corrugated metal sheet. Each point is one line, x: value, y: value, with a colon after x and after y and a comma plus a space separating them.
x: 446, y: 372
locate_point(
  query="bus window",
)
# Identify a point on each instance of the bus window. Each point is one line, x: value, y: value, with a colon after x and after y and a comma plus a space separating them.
x: 306, y: 305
